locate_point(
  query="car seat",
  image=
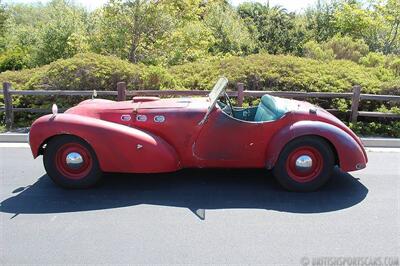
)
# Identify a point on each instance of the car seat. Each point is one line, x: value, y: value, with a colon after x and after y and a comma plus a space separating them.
x: 270, y: 108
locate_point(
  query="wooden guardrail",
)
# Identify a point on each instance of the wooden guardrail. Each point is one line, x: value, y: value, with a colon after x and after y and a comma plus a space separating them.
x: 122, y: 93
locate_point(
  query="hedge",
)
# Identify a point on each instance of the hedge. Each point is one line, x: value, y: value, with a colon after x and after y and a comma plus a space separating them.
x: 262, y: 71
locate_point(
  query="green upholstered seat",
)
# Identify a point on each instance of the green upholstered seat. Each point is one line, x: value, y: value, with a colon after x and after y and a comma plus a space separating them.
x: 270, y: 108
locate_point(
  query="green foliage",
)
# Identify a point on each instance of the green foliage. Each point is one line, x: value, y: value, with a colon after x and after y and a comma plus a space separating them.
x: 276, y: 30
x: 386, y: 15
x: 352, y: 20
x: 395, y: 65
x: 320, y: 22
x: 173, y: 32
x: 131, y: 29
x: 89, y: 72
x: 341, y: 104
x: 336, y: 48
x: 229, y: 31
x: 188, y: 43
x: 45, y: 33
x: 263, y: 71
x: 15, y: 59
x: 315, y: 51
x: 391, y: 129
x: 373, y: 60
x: 347, y: 48
x: 384, y: 109
x: 3, y: 18
x: 92, y: 71
x: 64, y: 34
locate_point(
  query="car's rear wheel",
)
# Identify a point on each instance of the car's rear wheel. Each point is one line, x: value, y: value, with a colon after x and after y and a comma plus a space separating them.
x: 305, y: 164
x: 71, y: 162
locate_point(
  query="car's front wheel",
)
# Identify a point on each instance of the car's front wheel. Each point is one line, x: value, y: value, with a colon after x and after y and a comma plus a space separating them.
x: 71, y: 162
x: 305, y: 164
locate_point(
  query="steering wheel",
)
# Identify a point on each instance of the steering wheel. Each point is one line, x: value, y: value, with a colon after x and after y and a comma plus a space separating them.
x: 228, y: 101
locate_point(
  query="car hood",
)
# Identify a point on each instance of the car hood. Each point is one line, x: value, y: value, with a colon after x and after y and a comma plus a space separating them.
x: 124, y: 111
x: 98, y: 106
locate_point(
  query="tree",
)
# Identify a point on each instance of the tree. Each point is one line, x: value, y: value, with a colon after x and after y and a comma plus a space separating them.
x: 229, y: 30
x: 187, y: 43
x: 320, y: 20
x: 19, y: 37
x: 64, y: 33
x: 351, y: 19
x: 276, y: 30
x: 44, y: 33
x: 3, y: 18
x: 388, y: 14
x: 130, y: 29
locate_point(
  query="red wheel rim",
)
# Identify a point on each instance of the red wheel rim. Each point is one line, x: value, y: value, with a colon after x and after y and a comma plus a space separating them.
x: 298, y: 164
x: 80, y: 170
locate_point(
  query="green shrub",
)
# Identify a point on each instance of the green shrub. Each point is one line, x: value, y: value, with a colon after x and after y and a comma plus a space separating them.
x: 341, y: 48
x: 258, y: 72
x: 315, y: 51
x: 86, y: 72
x: 89, y: 72
x: 390, y: 88
x: 373, y: 60
x: 15, y: 59
x: 391, y: 129
x: 395, y: 66
x: 270, y: 72
x: 347, y: 48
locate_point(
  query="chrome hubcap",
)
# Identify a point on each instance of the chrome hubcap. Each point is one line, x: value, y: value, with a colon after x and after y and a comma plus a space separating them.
x: 304, y: 163
x: 74, y: 160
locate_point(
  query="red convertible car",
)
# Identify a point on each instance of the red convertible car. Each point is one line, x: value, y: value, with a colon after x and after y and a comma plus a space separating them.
x: 299, y: 142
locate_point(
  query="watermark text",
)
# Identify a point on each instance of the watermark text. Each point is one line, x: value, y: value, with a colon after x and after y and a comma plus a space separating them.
x: 350, y: 261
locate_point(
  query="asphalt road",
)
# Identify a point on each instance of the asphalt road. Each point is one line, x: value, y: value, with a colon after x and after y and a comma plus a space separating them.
x: 197, y: 217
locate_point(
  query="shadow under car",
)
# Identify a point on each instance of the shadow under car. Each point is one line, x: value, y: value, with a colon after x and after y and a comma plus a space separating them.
x: 195, y: 189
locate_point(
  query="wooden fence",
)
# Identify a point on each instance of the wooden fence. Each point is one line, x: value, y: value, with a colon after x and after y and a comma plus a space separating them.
x: 122, y: 93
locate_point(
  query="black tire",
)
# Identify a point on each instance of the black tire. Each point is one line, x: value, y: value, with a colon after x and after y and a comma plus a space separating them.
x: 81, y: 176
x: 294, y: 178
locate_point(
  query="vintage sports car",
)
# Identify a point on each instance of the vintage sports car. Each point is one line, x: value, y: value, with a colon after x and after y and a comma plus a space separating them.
x: 299, y: 142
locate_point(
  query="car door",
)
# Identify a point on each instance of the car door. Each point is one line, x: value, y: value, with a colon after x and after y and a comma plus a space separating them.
x: 224, y: 141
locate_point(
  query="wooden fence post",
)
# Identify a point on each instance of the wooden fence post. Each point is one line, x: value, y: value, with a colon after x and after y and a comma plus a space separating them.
x: 121, y: 88
x: 240, y: 97
x: 355, y: 102
x: 9, y: 116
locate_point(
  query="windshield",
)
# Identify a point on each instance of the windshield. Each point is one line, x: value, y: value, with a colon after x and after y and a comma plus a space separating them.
x: 217, y: 91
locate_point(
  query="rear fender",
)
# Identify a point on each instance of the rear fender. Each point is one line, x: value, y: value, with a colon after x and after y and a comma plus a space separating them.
x: 350, y: 154
x: 118, y: 148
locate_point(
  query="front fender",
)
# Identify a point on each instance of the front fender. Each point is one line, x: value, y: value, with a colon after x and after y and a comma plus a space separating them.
x: 118, y: 148
x: 350, y: 154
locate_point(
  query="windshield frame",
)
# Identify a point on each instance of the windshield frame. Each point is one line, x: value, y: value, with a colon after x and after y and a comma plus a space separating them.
x: 213, y: 96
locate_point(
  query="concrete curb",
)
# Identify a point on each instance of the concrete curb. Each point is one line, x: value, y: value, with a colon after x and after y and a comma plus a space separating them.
x: 14, y: 137
x: 381, y: 142
x: 368, y: 142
